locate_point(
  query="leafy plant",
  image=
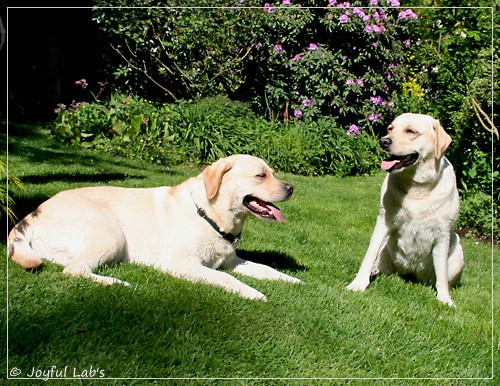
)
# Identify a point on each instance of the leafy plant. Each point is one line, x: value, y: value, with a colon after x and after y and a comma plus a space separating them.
x: 6, y: 201
x: 213, y: 128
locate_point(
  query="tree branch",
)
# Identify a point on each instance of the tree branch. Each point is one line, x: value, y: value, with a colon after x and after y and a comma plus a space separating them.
x: 143, y: 71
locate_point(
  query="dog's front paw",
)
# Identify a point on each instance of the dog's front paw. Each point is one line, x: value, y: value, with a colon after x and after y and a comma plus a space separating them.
x: 120, y: 282
x: 358, y: 285
x: 253, y: 294
x: 445, y: 299
x: 294, y: 280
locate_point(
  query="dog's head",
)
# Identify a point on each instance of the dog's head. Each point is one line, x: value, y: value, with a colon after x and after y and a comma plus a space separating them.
x: 246, y: 184
x: 413, y: 138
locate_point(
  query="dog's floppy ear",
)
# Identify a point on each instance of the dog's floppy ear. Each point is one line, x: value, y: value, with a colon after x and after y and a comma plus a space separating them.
x: 443, y: 140
x: 212, y: 176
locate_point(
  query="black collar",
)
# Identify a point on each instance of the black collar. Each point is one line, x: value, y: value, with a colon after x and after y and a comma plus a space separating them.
x: 227, y: 236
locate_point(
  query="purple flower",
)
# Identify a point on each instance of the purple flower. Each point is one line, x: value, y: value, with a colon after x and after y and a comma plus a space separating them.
x: 297, y: 113
x: 407, y: 43
x: 286, y: 2
x: 313, y: 47
x: 353, y: 131
x: 297, y: 57
x: 331, y: 3
x: 373, y: 2
x: 307, y: 102
x: 344, y: 18
x: 268, y: 8
x: 393, y: 3
x: 377, y: 100
x: 83, y: 83
x: 360, y: 82
x: 60, y: 106
x: 278, y: 47
x: 373, y: 117
x: 369, y: 29
x: 376, y: 29
x: 358, y: 11
x: 349, y: 82
x: 407, y: 14
x: 389, y: 75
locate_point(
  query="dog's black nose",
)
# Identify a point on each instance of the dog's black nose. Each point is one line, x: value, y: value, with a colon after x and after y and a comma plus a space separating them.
x: 289, y: 188
x: 385, y: 143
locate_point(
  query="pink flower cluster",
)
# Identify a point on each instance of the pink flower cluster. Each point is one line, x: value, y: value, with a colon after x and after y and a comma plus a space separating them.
x: 83, y: 83
x: 407, y: 14
x: 375, y: 18
x: 353, y: 131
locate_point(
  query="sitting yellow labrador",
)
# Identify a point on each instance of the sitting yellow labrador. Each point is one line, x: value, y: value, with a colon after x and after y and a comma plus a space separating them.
x: 418, y: 209
x: 188, y: 230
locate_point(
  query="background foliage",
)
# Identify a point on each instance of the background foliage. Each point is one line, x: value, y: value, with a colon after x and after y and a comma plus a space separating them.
x: 291, y: 60
x: 213, y: 128
x: 316, y: 86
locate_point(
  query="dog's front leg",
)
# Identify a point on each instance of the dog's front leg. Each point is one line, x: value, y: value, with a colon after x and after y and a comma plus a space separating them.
x: 377, y: 242
x: 202, y: 274
x: 440, y: 261
x: 258, y: 271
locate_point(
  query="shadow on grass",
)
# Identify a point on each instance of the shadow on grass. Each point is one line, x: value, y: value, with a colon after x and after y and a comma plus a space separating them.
x: 276, y: 260
x: 90, y: 178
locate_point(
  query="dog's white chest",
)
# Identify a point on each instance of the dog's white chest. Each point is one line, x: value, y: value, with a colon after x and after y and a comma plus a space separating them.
x: 215, y: 252
x: 410, y: 241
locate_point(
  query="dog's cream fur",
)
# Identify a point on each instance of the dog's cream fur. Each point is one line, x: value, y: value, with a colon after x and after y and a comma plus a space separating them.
x: 418, y: 210
x: 83, y: 228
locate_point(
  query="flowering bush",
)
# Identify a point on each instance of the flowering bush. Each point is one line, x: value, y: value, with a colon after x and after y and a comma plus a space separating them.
x: 343, y: 60
x: 291, y: 60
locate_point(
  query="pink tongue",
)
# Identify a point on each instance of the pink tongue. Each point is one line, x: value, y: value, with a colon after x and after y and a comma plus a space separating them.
x: 387, y: 165
x: 277, y: 214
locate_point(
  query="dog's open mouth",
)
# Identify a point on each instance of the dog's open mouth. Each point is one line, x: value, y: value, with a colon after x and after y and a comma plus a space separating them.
x: 398, y: 162
x: 262, y: 209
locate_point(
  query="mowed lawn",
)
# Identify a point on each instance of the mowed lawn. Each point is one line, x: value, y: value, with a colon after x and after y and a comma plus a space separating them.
x: 163, y: 327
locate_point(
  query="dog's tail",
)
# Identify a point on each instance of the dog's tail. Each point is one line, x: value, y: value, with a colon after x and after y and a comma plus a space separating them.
x: 19, y: 245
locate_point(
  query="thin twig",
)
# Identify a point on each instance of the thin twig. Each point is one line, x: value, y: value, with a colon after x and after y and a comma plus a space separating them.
x: 144, y: 71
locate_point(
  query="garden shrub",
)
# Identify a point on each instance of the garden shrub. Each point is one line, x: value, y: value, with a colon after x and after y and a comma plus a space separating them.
x: 292, y: 60
x: 212, y: 128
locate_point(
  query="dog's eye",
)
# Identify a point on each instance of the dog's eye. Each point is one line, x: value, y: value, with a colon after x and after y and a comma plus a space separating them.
x: 261, y: 175
x: 410, y: 131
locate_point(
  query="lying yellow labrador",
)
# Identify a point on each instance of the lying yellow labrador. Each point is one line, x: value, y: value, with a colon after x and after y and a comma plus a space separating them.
x: 188, y: 230
x: 418, y: 209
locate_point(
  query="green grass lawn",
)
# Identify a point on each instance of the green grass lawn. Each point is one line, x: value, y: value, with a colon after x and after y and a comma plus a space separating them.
x: 163, y: 327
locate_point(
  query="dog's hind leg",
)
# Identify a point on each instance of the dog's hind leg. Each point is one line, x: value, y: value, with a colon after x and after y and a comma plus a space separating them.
x: 84, y: 269
x: 455, y: 260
